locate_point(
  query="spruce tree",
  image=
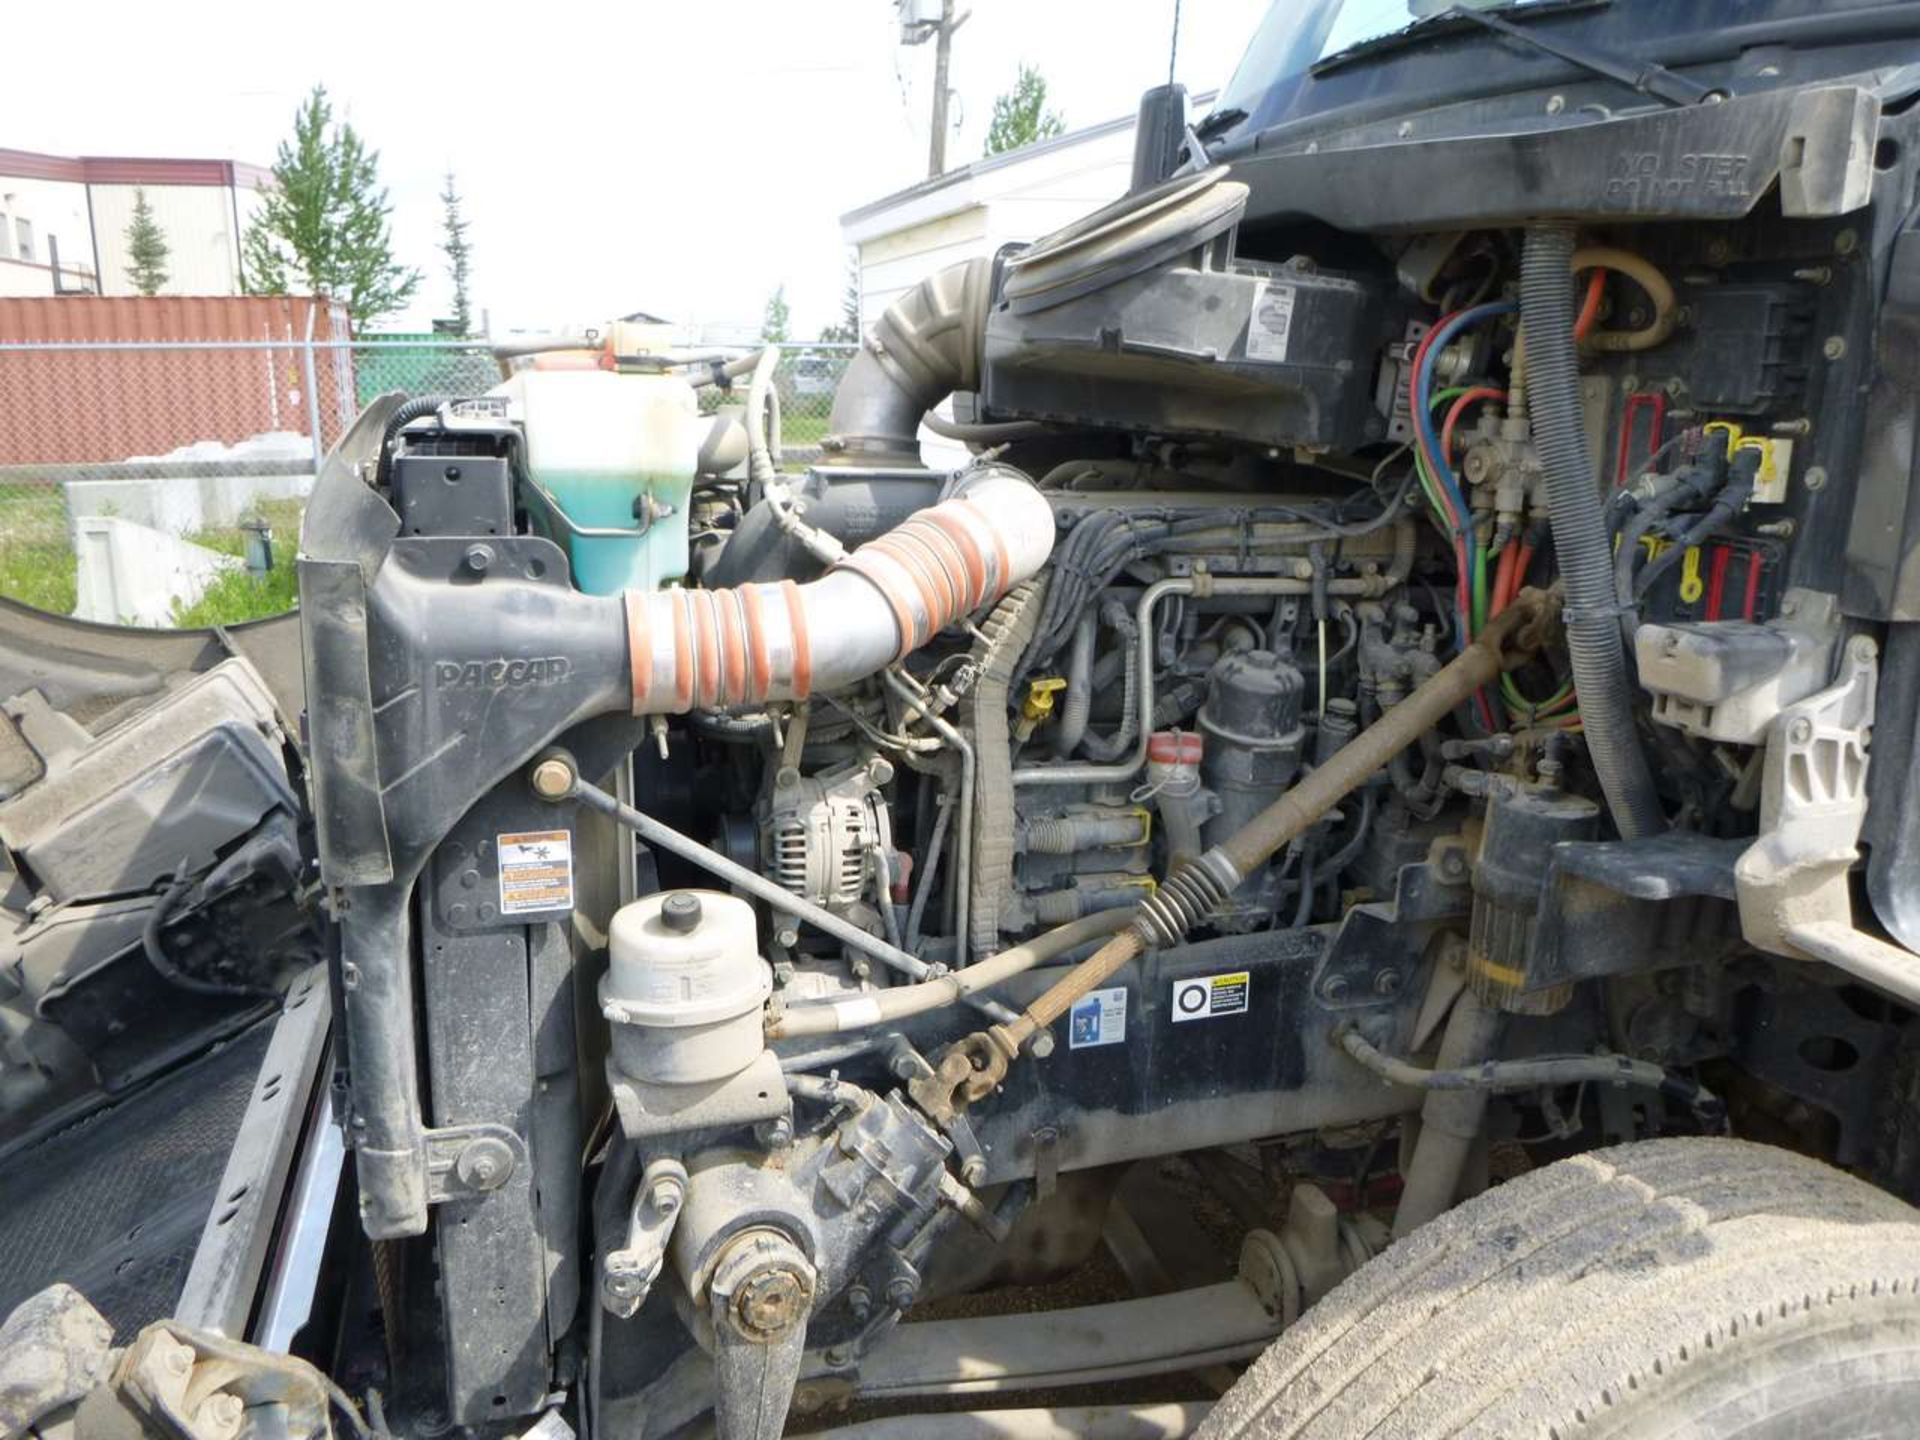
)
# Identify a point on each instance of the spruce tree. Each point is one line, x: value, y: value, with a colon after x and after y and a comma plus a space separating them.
x: 459, y: 253
x: 146, y: 248
x: 773, y: 325
x: 323, y: 226
x: 1020, y: 116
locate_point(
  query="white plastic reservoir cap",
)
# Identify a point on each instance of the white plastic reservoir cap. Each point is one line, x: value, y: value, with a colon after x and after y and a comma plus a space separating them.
x: 684, y: 957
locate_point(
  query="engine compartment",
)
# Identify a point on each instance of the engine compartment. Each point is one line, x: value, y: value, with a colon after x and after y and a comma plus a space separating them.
x: 1378, y: 695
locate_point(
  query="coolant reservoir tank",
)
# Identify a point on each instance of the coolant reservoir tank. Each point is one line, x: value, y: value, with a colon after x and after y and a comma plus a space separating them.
x: 616, y: 454
x: 684, y: 987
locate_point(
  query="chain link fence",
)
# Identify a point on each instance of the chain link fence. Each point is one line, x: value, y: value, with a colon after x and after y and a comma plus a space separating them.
x: 162, y: 482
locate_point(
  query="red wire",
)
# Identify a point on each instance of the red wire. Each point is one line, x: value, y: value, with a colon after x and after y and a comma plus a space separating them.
x: 1717, y: 581
x: 1753, y: 586
x: 1454, y: 411
x: 1522, y: 563
x: 1503, y: 580
x: 1590, y: 307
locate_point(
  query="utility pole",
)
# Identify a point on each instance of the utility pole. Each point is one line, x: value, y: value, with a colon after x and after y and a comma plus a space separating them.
x: 942, y: 57
x: 920, y: 19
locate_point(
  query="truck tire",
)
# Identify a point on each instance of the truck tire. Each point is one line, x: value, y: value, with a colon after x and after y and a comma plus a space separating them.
x: 1675, y: 1288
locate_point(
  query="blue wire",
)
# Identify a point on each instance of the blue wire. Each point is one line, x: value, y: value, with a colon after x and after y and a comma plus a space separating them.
x: 1423, y: 423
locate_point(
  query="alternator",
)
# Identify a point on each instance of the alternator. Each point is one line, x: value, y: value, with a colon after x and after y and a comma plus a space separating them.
x: 822, y: 835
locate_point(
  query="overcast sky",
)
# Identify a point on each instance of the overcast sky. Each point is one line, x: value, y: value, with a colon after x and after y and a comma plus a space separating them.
x: 678, y: 156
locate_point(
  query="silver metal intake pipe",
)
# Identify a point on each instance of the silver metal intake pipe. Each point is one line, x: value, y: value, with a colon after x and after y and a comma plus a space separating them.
x: 709, y: 649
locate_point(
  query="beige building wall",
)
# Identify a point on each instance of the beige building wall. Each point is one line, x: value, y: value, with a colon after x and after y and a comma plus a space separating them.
x: 203, y: 248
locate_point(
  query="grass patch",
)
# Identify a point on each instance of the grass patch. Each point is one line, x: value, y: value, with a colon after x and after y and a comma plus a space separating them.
x: 237, y: 595
x: 802, y: 429
x: 37, y: 564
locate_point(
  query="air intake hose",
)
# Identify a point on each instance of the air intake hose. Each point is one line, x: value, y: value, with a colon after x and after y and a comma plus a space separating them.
x: 709, y: 649
x: 1580, y: 534
x: 923, y: 348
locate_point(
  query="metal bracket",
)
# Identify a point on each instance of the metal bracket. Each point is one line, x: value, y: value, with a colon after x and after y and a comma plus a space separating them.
x: 1795, y: 894
x: 465, y: 1162
x: 1379, y: 947
x: 627, y: 1274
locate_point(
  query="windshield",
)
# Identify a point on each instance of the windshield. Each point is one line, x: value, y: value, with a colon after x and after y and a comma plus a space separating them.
x: 1295, y: 36
x: 1282, y: 84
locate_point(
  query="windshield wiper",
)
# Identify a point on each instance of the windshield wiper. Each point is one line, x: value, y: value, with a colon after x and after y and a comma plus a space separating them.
x: 1642, y: 75
x: 1444, y: 22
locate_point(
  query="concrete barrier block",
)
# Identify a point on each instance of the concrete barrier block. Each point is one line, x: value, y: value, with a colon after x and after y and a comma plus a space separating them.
x: 133, y: 574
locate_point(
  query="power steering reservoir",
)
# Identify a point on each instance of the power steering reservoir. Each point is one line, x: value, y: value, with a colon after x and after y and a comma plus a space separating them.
x: 684, y: 988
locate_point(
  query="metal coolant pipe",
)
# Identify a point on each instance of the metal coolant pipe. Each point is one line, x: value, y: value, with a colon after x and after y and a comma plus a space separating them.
x: 972, y: 1067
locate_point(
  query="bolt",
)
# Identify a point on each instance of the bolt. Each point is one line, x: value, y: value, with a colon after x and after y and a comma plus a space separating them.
x: 1802, y: 426
x: 775, y: 1134
x: 39, y: 905
x: 1041, y: 1045
x: 1555, y: 104
x: 553, y: 778
x: 859, y: 1304
x: 1835, y: 347
x: 221, y: 1413
x: 484, y: 1164
x: 1336, y: 990
x: 664, y: 1195
x: 479, y: 558
x: 1719, y: 251
x: 623, y: 1270
x: 973, y: 1169
x: 901, y: 1292
x: 1406, y: 129
x: 1815, y: 274
x: 1800, y: 731
x: 1387, y: 983
x: 179, y: 1360
x: 452, y: 472
x: 1815, y: 478
x: 1675, y: 388
x: 1845, y: 242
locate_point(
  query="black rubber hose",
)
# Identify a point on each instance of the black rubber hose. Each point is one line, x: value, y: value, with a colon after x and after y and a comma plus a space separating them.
x: 1580, y: 535
x: 1509, y: 1076
x: 417, y: 408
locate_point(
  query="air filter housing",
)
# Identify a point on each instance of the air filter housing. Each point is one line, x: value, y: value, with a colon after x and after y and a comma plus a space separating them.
x: 1140, y: 317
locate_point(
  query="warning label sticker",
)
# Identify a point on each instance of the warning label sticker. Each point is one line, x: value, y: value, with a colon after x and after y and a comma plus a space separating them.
x: 1271, y: 324
x: 1208, y: 997
x: 1098, y: 1018
x: 536, y: 871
